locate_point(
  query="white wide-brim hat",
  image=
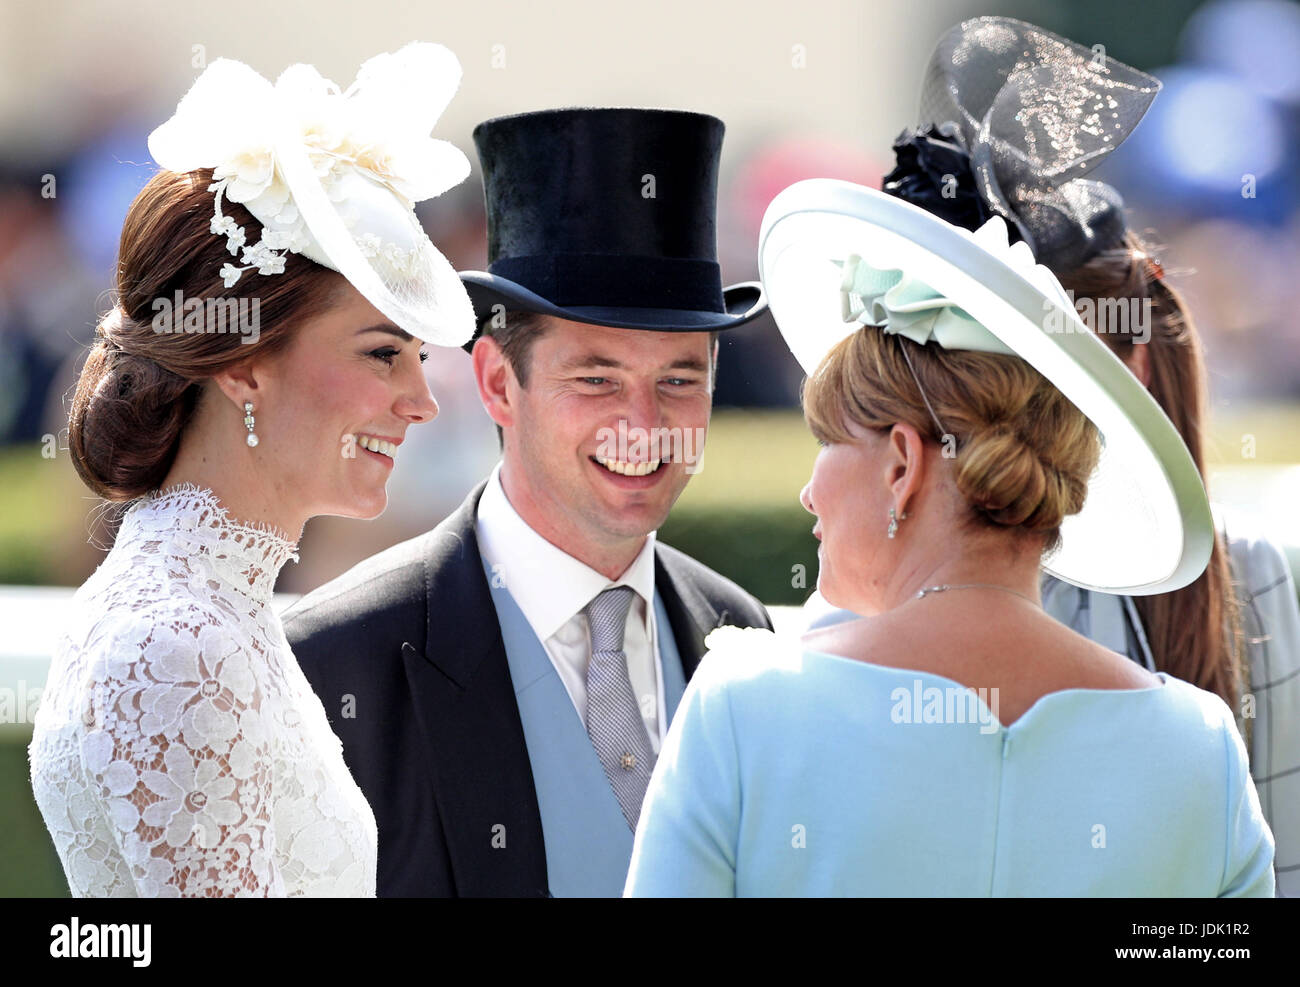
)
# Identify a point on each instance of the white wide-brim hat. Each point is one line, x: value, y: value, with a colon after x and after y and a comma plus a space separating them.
x: 1145, y: 526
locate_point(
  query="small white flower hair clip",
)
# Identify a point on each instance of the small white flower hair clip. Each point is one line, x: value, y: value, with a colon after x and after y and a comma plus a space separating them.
x: 333, y: 176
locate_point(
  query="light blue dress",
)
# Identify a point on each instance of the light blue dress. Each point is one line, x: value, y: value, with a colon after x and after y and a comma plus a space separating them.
x: 1270, y: 621
x: 790, y: 772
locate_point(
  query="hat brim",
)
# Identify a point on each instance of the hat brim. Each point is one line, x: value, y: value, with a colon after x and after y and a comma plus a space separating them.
x: 1146, y: 526
x: 427, y: 300
x: 743, y: 302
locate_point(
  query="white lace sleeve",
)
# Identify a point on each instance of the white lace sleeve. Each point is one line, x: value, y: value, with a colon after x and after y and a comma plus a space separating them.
x: 175, y: 738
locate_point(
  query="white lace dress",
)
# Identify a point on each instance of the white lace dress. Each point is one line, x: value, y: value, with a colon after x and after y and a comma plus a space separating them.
x: 178, y: 749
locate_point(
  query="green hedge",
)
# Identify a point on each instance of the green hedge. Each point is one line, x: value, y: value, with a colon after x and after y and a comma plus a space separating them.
x: 29, y: 867
x: 770, y: 551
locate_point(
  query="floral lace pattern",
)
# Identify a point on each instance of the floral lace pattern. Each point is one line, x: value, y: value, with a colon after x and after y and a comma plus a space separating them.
x: 178, y: 749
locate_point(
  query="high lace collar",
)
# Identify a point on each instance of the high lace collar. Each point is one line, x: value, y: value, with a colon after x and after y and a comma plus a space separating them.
x: 247, y: 556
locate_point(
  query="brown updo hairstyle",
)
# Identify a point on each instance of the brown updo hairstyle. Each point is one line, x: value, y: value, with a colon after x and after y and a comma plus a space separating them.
x: 1023, y: 452
x: 1195, y: 633
x: 139, y: 388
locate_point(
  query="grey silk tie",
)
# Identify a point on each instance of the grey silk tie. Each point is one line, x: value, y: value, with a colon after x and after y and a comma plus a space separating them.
x: 614, y: 721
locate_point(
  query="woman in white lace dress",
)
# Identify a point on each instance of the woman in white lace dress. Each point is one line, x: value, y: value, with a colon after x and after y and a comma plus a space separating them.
x: 179, y: 751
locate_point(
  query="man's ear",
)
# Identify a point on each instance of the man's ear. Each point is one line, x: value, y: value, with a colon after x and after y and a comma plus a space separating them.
x: 494, y: 377
x: 905, y: 464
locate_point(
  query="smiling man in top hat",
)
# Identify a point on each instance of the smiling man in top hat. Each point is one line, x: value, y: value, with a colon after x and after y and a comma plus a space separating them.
x: 502, y: 684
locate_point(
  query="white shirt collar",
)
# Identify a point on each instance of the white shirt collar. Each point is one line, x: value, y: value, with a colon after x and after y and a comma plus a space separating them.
x: 549, y: 585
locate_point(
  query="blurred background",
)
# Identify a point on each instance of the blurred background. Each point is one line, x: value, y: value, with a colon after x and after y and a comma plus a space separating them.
x: 814, y: 89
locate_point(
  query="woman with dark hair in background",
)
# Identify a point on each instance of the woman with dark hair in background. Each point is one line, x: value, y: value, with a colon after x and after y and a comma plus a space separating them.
x: 260, y: 367
x: 1236, y: 630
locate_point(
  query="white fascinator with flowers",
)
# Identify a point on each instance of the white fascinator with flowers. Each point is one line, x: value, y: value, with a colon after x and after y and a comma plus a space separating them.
x: 332, y: 175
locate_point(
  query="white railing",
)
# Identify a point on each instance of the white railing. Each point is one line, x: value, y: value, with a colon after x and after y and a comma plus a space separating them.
x: 32, y: 617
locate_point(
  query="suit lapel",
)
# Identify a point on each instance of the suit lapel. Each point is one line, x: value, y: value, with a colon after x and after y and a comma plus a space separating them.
x: 465, y: 702
x: 690, y: 613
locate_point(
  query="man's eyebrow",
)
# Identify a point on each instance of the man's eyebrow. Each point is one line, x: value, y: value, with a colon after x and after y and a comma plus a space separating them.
x: 388, y: 328
x: 689, y: 363
x: 590, y: 360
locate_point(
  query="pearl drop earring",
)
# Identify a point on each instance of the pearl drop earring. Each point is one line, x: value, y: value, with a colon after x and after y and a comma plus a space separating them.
x: 248, y: 423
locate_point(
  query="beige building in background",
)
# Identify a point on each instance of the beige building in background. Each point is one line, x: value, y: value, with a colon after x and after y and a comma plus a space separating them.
x: 844, y: 68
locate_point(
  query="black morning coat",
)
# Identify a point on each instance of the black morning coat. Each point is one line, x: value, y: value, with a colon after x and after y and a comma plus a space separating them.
x: 406, y: 655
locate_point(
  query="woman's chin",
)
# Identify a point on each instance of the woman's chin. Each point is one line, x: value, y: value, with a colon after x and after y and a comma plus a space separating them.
x: 365, y: 505
x: 836, y: 597
x: 826, y: 587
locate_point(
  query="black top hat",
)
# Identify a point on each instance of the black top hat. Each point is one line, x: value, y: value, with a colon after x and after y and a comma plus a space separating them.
x: 606, y: 216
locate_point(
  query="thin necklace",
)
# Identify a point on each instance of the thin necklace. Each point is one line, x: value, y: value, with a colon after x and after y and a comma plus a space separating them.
x: 921, y: 593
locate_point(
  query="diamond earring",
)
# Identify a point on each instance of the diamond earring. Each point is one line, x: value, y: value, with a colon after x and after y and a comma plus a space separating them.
x: 252, y: 436
x: 894, y: 518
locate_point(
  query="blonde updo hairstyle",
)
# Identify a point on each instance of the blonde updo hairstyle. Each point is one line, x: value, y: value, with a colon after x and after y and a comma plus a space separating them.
x: 1023, y: 452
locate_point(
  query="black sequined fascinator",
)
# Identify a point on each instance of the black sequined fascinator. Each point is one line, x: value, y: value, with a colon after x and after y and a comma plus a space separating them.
x: 1011, y: 118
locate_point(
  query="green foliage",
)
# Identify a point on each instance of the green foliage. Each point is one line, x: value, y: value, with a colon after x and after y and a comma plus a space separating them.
x: 29, y: 867
x: 42, y: 506
x: 769, y: 550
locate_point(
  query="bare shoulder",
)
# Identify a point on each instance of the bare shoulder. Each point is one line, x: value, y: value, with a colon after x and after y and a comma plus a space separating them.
x: 849, y: 639
x: 1036, y: 650
x: 1092, y: 665
x: 881, y: 640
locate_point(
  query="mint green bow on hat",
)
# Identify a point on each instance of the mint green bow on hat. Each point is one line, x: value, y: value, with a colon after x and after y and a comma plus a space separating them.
x: 896, y: 302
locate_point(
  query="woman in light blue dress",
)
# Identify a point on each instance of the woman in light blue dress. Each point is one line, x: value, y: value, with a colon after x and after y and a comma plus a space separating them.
x: 957, y: 740
x: 804, y: 773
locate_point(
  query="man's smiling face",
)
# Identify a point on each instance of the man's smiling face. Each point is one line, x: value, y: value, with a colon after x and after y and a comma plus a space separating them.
x: 585, y: 384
